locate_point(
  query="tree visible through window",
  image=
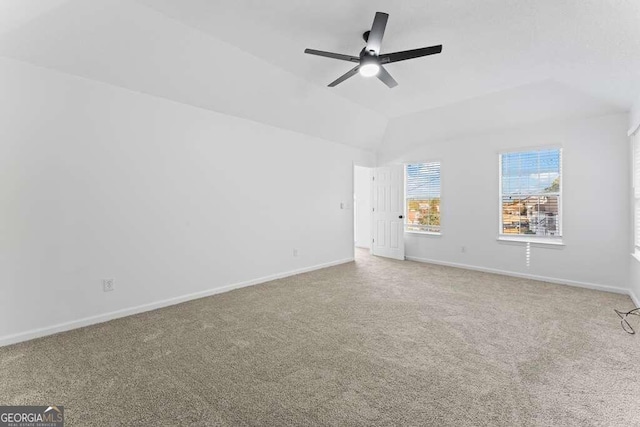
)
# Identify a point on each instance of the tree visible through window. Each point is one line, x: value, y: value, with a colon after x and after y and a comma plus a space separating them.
x: 423, y: 197
x: 531, y: 185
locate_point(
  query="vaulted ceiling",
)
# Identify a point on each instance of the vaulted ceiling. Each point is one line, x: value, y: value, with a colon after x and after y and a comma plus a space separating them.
x: 524, y: 59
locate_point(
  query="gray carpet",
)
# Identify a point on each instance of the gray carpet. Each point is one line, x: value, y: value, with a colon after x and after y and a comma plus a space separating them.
x: 375, y: 342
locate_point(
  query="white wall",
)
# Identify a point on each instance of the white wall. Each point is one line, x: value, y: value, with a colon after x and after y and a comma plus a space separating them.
x: 595, y: 207
x: 634, y: 265
x: 362, y: 191
x: 634, y: 116
x: 515, y: 108
x: 168, y: 199
x: 634, y: 281
x: 159, y: 55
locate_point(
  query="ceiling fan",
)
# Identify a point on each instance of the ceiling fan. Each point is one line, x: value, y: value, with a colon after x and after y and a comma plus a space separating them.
x: 370, y: 60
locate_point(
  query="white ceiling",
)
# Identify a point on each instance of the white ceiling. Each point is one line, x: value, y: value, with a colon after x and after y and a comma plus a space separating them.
x: 539, y: 102
x: 489, y: 45
x: 245, y: 57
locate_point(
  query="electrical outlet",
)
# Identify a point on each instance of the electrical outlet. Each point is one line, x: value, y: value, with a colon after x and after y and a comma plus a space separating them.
x: 108, y: 285
x: 296, y: 252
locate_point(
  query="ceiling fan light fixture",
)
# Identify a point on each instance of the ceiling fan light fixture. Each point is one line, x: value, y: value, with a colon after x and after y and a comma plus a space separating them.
x: 370, y: 59
x: 369, y: 70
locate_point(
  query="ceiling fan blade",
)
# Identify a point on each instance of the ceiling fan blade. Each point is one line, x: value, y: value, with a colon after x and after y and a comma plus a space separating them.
x: 332, y: 55
x: 345, y: 76
x: 377, y: 31
x: 388, y: 58
x: 386, y: 78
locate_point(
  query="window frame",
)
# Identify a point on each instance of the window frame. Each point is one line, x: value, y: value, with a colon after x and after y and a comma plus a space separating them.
x: 406, y: 210
x: 549, y: 240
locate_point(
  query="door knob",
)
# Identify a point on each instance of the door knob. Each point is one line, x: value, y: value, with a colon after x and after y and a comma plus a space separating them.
x: 401, y: 216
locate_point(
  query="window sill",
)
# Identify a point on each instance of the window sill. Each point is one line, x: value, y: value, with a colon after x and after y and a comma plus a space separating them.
x: 536, y: 241
x: 424, y: 233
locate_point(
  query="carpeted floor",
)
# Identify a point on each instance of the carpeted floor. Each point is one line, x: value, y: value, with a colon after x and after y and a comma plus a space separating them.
x: 375, y: 342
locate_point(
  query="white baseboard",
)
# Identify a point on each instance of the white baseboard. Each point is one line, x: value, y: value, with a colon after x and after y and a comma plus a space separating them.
x: 92, y: 320
x: 634, y: 298
x: 576, y: 283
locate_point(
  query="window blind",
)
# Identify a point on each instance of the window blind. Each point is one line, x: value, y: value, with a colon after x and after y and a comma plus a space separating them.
x: 423, y: 197
x: 530, y: 185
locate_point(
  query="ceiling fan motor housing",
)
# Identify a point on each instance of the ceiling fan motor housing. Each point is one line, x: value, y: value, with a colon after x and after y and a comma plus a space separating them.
x: 367, y: 57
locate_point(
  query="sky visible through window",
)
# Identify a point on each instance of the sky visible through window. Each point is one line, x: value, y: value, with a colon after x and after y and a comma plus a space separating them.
x: 530, y: 172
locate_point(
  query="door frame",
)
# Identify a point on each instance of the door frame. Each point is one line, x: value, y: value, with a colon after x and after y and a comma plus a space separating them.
x: 353, y: 196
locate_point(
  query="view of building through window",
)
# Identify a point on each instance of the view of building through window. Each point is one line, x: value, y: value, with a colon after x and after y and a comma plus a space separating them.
x: 423, y: 197
x: 531, y: 191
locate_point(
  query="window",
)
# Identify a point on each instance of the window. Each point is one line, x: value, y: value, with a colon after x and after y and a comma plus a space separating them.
x: 423, y: 197
x: 636, y: 192
x: 530, y: 193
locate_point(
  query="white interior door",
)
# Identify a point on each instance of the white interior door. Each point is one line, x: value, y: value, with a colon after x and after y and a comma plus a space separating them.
x: 388, y: 212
